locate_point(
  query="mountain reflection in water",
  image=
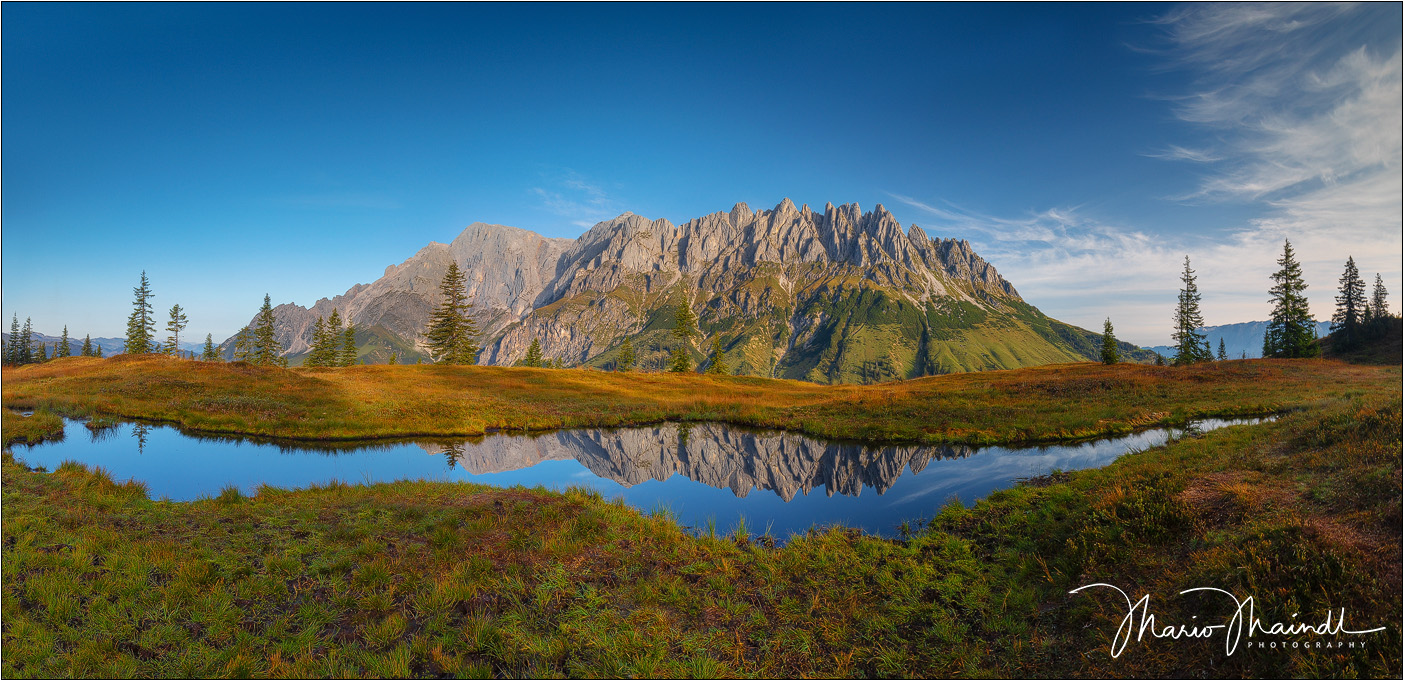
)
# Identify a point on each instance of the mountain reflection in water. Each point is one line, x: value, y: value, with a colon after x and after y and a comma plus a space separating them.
x: 702, y: 474
x: 717, y: 455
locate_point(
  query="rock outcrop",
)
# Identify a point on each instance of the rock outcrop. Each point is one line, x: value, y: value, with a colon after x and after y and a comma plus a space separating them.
x: 505, y: 270
x: 834, y: 296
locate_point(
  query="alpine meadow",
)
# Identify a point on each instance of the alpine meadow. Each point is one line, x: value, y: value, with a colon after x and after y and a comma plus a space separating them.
x: 783, y: 340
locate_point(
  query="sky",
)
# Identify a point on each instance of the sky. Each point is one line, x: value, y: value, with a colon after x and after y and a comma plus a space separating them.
x: 233, y: 150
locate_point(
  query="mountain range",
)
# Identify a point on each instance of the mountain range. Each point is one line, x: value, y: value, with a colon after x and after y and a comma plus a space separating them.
x: 1241, y: 339
x: 110, y: 345
x: 831, y: 296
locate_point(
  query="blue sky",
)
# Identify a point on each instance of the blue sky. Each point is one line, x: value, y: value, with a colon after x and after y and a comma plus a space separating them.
x: 233, y: 150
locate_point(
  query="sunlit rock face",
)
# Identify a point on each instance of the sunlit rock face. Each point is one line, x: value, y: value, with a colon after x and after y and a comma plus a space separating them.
x: 713, y: 454
x: 832, y: 296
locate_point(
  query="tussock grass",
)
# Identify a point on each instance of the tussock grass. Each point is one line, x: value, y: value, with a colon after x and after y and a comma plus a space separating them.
x: 1054, y: 402
x: 420, y: 579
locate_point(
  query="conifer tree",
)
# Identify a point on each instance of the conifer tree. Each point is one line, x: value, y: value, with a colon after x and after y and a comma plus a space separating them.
x: 1110, y: 356
x: 1222, y: 355
x: 451, y: 332
x: 176, y: 323
x: 684, y: 329
x: 98, y: 354
x: 244, y: 345
x: 1291, y: 331
x: 141, y: 325
x: 62, y: 350
x: 43, y: 355
x: 265, y: 343
x: 534, y: 355
x: 211, y: 354
x: 1191, y: 345
x: 87, y: 350
x: 330, y: 355
x: 719, y: 362
x: 12, y: 352
x: 1379, y: 309
x: 316, y: 357
x: 392, y: 359
x: 334, y: 325
x: 348, y: 347
x: 1351, y: 304
x: 27, y: 353
x: 625, y: 360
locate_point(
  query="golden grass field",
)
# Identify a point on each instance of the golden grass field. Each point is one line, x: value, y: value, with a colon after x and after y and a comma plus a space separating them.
x: 426, y: 579
x: 1046, y: 403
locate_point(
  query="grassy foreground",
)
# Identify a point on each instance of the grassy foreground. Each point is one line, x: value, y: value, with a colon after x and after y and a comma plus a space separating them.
x: 429, y: 579
x: 1037, y: 404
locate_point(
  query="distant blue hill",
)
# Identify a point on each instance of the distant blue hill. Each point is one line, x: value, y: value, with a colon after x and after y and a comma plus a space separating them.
x: 110, y: 346
x: 1241, y: 339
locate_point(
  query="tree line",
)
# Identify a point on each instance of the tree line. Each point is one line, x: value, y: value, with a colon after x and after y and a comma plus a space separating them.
x: 1291, y: 331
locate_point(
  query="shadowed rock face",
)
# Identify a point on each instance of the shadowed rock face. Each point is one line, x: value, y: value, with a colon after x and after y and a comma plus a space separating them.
x: 713, y: 454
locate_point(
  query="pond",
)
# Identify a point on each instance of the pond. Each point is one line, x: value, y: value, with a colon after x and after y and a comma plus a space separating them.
x: 704, y: 474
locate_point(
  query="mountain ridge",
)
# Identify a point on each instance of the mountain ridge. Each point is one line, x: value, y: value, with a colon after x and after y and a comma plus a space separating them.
x: 837, y: 295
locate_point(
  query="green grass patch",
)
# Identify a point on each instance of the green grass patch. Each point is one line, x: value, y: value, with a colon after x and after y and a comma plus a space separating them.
x: 420, y: 579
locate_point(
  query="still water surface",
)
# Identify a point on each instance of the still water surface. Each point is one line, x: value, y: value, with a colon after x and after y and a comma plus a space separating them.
x: 700, y: 473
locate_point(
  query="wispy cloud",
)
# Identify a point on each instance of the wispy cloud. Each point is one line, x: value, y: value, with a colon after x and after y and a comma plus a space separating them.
x: 1297, y: 112
x: 1306, y: 113
x: 577, y: 198
x: 1072, y: 266
x: 1295, y: 99
x: 1178, y: 153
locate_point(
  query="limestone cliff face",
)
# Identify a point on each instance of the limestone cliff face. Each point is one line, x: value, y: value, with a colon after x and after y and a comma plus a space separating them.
x: 765, y: 276
x: 719, y: 456
x: 838, y: 295
x: 505, y: 269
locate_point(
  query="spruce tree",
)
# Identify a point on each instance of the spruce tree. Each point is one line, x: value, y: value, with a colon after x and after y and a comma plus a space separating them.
x: 265, y: 342
x: 348, y: 347
x: 1110, y: 356
x: 1351, y: 305
x: 12, y: 352
x: 87, y: 350
x: 1191, y: 345
x: 62, y: 350
x: 625, y: 360
x: 27, y: 354
x: 719, y: 362
x: 332, y: 341
x: 176, y: 323
x: 141, y: 325
x: 43, y: 355
x: 1378, y: 300
x: 244, y: 345
x: 316, y: 357
x: 451, y: 332
x: 1222, y: 355
x: 1291, y: 331
x: 685, y: 327
x: 534, y: 355
x: 211, y: 354
x: 392, y: 359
